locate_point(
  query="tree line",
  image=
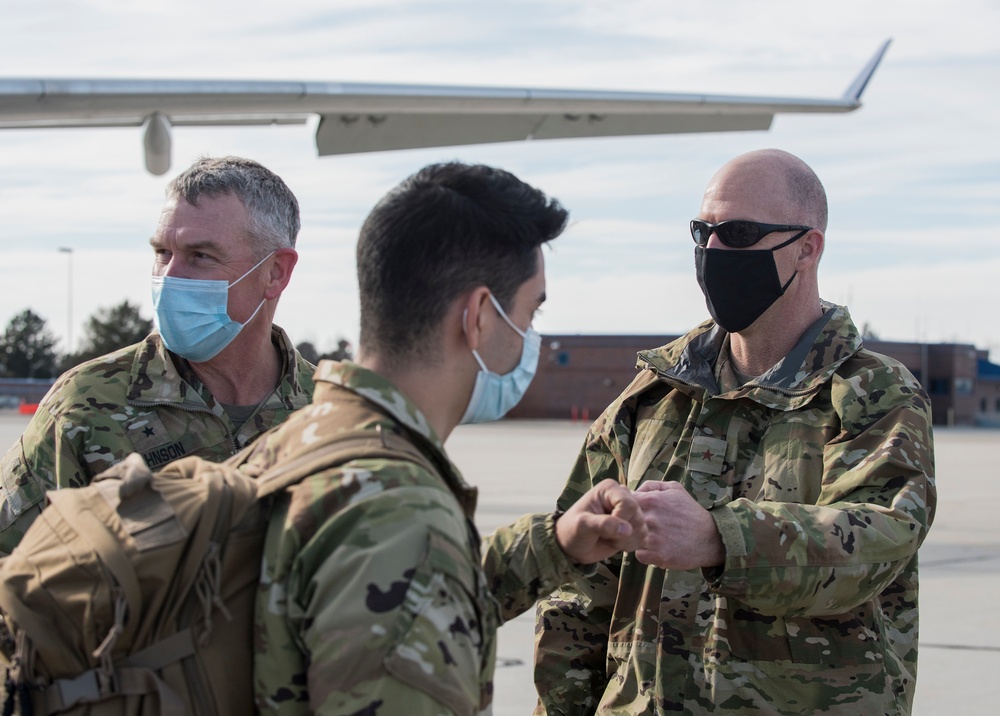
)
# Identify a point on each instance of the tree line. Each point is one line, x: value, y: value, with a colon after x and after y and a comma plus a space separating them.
x: 29, y: 349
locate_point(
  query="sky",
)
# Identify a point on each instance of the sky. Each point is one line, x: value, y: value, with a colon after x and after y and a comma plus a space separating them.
x: 913, y: 177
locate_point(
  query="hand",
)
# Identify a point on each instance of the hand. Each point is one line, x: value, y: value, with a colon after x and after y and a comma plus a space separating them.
x: 605, y: 521
x: 681, y: 534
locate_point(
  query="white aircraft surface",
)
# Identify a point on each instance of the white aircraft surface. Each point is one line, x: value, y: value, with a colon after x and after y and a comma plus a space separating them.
x: 378, y: 117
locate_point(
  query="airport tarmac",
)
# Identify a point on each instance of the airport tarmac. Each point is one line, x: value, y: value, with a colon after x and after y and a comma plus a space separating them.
x: 520, y: 466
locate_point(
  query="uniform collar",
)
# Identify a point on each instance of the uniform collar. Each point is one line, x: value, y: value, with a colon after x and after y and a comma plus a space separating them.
x: 689, y: 363
x: 374, y: 387
x: 161, y: 377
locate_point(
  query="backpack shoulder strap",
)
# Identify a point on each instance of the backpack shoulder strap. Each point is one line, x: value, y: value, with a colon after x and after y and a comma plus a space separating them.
x: 353, y: 445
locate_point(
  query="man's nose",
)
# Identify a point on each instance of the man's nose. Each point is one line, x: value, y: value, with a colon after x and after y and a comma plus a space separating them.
x: 714, y: 242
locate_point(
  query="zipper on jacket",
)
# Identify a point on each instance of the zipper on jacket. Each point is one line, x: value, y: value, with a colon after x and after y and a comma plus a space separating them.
x: 194, y: 409
x: 669, y: 378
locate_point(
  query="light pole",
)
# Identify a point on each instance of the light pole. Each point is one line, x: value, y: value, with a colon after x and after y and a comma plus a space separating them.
x: 69, y: 299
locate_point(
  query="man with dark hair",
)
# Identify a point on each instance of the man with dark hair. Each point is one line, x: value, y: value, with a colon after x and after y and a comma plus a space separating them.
x: 374, y: 599
x: 786, y: 475
x: 494, y: 240
x: 216, y: 374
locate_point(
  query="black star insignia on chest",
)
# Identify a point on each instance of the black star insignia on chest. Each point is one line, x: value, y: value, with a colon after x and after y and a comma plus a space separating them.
x: 148, y: 431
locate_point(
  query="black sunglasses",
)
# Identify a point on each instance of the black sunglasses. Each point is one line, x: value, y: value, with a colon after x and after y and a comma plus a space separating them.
x: 739, y: 233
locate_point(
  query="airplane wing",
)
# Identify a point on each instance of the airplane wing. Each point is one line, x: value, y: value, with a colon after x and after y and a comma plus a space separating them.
x: 378, y: 117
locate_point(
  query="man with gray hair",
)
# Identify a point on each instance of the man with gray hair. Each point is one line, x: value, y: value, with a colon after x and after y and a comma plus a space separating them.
x: 214, y: 375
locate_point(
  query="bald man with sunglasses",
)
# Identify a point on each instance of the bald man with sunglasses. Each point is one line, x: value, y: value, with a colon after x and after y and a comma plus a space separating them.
x: 787, y: 478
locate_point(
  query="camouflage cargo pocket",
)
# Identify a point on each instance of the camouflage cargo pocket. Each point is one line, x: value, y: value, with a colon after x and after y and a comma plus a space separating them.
x: 830, y: 641
x: 788, y: 688
x: 653, y: 450
x: 793, y: 462
x: 19, y: 490
x: 836, y: 640
x: 802, y: 665
x: 440, y: 648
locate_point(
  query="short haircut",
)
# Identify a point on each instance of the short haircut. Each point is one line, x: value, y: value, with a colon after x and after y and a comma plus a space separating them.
x: 807, y: 192
x: 272, y: 210
x: 443, y: 231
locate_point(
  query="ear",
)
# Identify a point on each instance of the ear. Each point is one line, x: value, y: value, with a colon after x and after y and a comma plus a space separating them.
x: 282, y: 264
x: 810, y: 249
x: 473, y: 313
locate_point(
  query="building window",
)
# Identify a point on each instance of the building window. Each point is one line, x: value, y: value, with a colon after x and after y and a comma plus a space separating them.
x: 998, y: 405
x: 939, y: 386
x: 963, y: 386
x: 982, y: 405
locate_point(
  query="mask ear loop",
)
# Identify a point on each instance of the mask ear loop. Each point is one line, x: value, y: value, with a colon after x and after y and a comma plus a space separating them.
x: 503, y: 315
x: 261, y: 304
x: 256, y: 266
x: 783, y: 245
x: 795, y: 238
x: 252, y: 315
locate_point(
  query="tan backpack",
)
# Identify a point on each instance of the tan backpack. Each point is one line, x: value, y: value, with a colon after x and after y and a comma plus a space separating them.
x: 135, y: 595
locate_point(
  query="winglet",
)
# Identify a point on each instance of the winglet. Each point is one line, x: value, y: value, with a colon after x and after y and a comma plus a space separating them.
x: 853, y: 93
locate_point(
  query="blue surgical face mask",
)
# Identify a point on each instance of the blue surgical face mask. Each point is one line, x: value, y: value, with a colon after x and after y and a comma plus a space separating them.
x: 192, y: 315
x: 494, y: 395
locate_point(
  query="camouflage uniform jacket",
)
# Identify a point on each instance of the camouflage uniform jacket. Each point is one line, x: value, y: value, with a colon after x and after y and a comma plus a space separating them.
x: 819, y: 475
x: 373, y: 599
x: 139, y: 399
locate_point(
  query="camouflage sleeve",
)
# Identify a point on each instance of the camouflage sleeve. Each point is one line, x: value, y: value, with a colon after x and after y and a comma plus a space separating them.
x: 376, y: 612
x: 44, y: 457
x: 875, y: 506
x: 572, y: 624
x: 523, y: 562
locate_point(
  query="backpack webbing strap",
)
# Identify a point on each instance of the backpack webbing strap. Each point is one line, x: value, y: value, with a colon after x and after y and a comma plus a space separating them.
x: 349, y: 446
x: 217, y: 501
x: 173, y: 648
x: 110, y: 551
x: 63, y: 694
x: 206, y: 538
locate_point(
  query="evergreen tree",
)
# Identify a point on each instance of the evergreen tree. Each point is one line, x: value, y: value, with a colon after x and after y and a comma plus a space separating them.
x: 27, y: 348
x: 109, y: 329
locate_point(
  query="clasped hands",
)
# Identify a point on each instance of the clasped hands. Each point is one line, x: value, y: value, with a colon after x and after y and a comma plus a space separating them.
x: 660, y: 522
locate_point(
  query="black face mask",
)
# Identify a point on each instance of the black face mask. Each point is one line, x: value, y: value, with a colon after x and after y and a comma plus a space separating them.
x: 739, y: 285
